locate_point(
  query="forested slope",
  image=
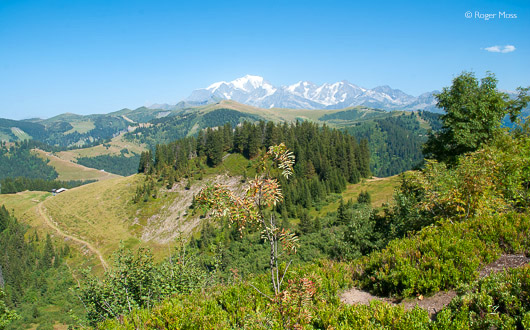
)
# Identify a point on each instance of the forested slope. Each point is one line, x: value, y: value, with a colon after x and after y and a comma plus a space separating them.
x: 34, y: 277
x: 396, y: 142
x: 19, y: 161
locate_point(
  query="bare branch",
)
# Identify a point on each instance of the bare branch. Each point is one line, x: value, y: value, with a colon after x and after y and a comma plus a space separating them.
x: 263, y: 294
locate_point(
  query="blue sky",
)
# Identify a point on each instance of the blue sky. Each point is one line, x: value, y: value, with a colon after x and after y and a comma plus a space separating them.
x: 101, y: 56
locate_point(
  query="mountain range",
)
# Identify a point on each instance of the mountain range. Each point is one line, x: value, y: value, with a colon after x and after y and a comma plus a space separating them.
x: 258, y: 92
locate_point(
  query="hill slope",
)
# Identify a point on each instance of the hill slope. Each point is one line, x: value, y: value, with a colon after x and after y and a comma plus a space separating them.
x: 68, y: 170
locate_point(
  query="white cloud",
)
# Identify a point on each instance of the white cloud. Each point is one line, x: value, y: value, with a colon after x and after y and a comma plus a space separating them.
x: 500, y: 49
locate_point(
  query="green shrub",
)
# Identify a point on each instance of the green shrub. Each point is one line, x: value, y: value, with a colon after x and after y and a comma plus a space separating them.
x: 439, y: 258
x: 500, y: 301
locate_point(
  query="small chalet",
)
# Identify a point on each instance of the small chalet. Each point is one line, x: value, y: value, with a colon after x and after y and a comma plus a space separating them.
x: 58, y: 191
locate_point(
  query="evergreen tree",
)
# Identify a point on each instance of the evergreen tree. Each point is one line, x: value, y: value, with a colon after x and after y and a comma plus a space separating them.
x: 228, y: 137
x: 342, y: 218
x: 271, y: 134
x: 214, y: 147
x: 254, y: 141
x: 364, y: 198
x: 306, y: 226
x: 145, y: 162
x: 48, y: 253
x: 201, y: 143
x: 4, y: 218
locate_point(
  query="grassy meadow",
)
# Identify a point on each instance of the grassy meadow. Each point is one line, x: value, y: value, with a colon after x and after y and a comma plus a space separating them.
x: 112, y: 148
x: 71, y: 171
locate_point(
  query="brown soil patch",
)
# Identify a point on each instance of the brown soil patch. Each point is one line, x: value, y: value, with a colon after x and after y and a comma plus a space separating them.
x: 506, y: 261
x: 435, y: 303
x: 357, y: 296
x: 374, y: 178
x: 173, y: 219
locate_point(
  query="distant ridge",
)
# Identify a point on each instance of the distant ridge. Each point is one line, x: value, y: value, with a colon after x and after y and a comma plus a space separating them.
x: 258, y: 92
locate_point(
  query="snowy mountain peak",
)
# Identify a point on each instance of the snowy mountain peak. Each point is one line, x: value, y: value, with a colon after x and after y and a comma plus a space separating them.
x: 256, y: 91
x: 246, y: 83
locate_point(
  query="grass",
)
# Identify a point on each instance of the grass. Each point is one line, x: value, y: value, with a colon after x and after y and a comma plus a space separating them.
x: 233, y: 164
x: 20, y: 134
x: 100, y: 213
x: 280, y: 114
x: 423, y: 124
x: 22, y: 202
x: 381, y: 191
x: 56, y: 326
x: 72, y: 171
x: 81, y: 127
x: 116, y: 145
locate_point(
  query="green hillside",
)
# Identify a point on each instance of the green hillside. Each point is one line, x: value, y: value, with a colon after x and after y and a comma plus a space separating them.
x: 265, y: 218
x: 106, y: 136
x: 438, y: 244
x: 395, y: 138
x: 427, y: 241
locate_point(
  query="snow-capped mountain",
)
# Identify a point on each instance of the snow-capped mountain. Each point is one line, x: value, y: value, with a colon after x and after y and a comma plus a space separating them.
x: 248, y: 90
x: 256, y: 91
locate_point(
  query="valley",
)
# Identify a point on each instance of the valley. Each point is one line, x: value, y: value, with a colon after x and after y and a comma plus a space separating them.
x: 363, y: 216
x: 264, y: 165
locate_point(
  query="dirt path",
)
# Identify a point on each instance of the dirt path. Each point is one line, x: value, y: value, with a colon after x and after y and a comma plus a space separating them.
x: 54, y: 226
x: 374, y: 178
x: 435, y: 303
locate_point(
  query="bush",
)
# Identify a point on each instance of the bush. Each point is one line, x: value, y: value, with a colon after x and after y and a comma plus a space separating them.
x: 439, y: 258
x: 136, y: 282
x: 500, y: 301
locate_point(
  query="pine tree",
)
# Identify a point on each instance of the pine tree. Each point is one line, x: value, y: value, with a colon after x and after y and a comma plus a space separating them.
x: 214, y: 147
x: 201, y: 144
x: 271, y: 134
x: 48, y: 253
x: 4, y: 218
x: 306, y: 225
x: 254, y: 142
x: 364, y: 198
x: 341, y: 213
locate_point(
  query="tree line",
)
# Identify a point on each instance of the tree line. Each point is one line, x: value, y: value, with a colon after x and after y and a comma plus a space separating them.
x: 396, y: 142
x: 326, y: 159
x: 117, y: 164
x: 18, y: 161
x: 14, y: 185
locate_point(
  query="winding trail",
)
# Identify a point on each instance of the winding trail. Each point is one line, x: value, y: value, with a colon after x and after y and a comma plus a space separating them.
x: 53, y: 225
x: 435, y: 303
